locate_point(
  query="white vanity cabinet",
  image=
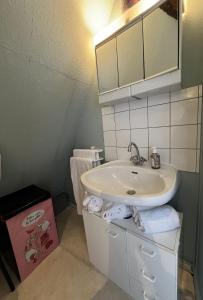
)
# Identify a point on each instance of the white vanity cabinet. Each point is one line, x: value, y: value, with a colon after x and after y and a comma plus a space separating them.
x: 107, y: 249
x: 144, y: 266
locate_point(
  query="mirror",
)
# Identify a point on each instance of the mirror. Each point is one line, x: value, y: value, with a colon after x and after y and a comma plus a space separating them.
x: 161, y: 29
x: 107, y: 71
x: 130, y: 55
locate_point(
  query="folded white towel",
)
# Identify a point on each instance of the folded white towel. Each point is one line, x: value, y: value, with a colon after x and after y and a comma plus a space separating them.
x: 159, y: 219
x: 93, y: 203
x: 79, y: 166
x: 87, y: 153
x: 120, y: 211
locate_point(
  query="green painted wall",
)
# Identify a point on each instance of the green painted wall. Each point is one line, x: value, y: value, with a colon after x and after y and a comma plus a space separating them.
x: 199, y: 252
x: 47, y: 92
x: 192, y: 45
x: 186, y: 201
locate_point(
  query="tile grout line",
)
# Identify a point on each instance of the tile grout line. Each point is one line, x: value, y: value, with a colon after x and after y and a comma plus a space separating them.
x: 197, y: 134
x: 154, y: 127
x: 170, y: 128
x: 115, y: 132
x: 159, y: 104
x: 170, y: 148
x: 130, y: 122
x: 161, y: 148
x: 148, y: 126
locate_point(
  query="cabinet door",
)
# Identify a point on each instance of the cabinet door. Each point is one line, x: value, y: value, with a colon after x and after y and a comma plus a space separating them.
x: 161, y: 39
x: 107, y: 249
x: 107, y: 71
x: 130, y: 55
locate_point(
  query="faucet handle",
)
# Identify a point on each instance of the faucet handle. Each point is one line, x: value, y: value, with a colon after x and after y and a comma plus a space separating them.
x: 142, y: 160
x: 134, y: 159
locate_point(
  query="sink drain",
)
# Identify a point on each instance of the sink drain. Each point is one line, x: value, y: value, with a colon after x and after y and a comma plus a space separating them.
x: 131, y: 192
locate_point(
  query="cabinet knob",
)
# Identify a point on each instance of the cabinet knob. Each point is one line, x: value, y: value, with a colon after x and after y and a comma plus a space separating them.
x: 151, y: 278
x: 147, y: 252
x: 112, y: 234
x: 146, y: 297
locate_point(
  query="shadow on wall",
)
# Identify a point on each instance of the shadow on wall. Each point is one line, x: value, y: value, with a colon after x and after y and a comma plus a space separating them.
x: 186, y: 201
x: 89, y: 131
x: 47, y: 86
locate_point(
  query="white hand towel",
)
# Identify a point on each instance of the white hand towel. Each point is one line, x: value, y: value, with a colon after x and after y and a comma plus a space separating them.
x: 87, y: 153
x: 159, y: 219
x: 79, y: 166
x: 120, y: 211
x: 93, y: 203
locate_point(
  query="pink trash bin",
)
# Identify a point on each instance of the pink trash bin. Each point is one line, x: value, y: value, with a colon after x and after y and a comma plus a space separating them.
x: 31, y: 226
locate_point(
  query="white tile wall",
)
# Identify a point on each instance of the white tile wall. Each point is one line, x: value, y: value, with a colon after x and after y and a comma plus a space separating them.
x: 138, y: 118
x: 159, y: 115
x: 123, y: 154
x: 165, y: 155
x: 184, y: 112
x: 122, y: 120
x: 170, y: 121
x: 122, y: 137
x: 138, y: 103
x: 110, y: 153
x: 122, y: 107
x: 140, y: 136
x: 108, y: 122
x: 158, y: 99
x: 110, y: 138
x: 200, y: 110
x: 189, y: 93
x: 198, y: 136
x: 184, y: 159
x: 200, y: 90
x: 107, y: 110
x: 184, y: 136
x: 159, y: 137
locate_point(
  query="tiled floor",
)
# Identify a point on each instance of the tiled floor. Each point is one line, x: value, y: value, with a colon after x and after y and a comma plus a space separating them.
x: 67, y: 273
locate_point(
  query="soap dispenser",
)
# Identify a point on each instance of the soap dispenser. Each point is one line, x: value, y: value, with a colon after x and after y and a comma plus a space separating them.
x: 155, y: 159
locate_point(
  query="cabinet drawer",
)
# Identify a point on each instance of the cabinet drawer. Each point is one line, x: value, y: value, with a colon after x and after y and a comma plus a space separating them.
x: 152, y: 267
x: 138, y: 291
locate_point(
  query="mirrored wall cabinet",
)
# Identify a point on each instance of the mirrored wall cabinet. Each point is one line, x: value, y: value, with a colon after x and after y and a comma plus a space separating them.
x: 153, y: 53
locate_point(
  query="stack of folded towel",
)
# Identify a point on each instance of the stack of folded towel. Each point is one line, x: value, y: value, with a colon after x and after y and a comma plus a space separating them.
x: 93, y: 203
x: 109, y: 211
x: 118, y: 211
x: 82, y: 161
x: 158, y: 219
x: 92, y: 154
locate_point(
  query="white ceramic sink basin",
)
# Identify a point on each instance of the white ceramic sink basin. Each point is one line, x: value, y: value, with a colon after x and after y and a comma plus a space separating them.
x: 140, y: 186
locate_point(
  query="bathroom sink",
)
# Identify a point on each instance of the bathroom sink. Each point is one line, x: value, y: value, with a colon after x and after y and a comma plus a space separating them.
x: 140, y: 186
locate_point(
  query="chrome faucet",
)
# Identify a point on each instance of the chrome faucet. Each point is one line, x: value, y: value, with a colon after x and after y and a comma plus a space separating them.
x: 136, y: 159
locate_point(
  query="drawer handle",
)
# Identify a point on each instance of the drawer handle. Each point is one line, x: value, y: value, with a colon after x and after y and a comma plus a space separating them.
x: 147, y: 252
x: 146, y: 297
x: 150, y: 278
x: 112, y: 234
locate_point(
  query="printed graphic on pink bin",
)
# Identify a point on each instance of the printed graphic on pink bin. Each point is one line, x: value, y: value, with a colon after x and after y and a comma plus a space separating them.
x: 33, y: 235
